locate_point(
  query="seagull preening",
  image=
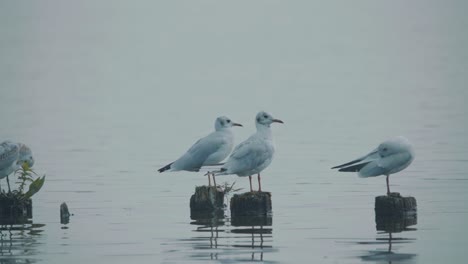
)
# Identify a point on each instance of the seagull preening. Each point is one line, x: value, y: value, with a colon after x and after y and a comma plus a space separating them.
x: 389, y: 157
x: 207, y: 151
x: 254, y: 154
x: 12, y: 157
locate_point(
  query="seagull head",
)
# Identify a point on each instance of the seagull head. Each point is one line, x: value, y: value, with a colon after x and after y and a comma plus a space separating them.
x: 265, y: 119
x: 394, y: 146
x: 223, y: 122
x: 25, y: 156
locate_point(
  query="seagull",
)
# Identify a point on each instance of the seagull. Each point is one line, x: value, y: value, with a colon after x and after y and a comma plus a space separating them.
x: 389, y: 157
x: 254, y: 154
x: 12, y: 157
x: 207, y: 151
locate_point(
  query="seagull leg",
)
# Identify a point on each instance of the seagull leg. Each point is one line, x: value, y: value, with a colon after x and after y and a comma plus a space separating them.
x: 250, y: 179
x: 8, y: 182
x: 388, y: 187
x: 209, y: 179
x: 259, y: 184
x: 214, y: 180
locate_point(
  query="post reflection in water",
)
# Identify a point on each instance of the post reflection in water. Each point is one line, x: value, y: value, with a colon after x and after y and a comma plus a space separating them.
x: 255, y: 226
x: 208, y: 223
x: 388, y: 226
x: 237, y: 239
x: 18, y: 241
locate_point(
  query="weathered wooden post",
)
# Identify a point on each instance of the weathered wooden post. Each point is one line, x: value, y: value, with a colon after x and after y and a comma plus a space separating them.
x: 251, y: 204
x: 64, y: 214
x: 14, y: 209
x: 393, y: 213
x: 394, y: 205
x: 206, y: 199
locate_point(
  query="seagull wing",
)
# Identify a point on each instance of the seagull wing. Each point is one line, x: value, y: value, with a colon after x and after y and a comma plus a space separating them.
x: 249, y: 155
x: 9, y: 153
x: 386, y: 165
x: 195, y: 157
x: 207, y: 145
x: 358, y: 164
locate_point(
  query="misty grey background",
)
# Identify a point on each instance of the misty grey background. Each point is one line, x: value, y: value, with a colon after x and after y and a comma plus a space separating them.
x: 106, y: 92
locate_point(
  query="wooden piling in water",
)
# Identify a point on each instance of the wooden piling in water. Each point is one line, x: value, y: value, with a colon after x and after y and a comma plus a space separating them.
x: 64, y: 214
x: 250, y: 204
x: 394, y: 205
x: 206, y: 199
x: 14, y: 209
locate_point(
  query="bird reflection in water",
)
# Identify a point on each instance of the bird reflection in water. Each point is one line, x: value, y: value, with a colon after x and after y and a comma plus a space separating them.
x: 387, y: 226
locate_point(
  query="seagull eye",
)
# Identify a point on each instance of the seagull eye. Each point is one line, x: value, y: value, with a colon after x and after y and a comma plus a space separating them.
x: 384, y: 149
x: 229, y: 121
x: 265, y: 116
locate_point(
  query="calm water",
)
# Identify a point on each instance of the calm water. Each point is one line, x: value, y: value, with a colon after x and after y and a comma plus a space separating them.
x: 105, y: 93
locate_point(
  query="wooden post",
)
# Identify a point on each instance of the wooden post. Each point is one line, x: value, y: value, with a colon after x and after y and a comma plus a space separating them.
x: 251, y: 204
x: 394, y: 205
x: 206, y: 199
x: 15, y: 210
x: 64, y: 214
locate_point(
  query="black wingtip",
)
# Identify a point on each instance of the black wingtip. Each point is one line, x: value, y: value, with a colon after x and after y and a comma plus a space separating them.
x: 354, y: 168
x: 165, y: 168
x: 348, y: 163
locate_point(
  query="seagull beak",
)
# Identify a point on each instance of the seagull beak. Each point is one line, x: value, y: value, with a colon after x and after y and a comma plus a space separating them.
x: 237, y: 124
x: 25, y: 166
x: 277, y: 121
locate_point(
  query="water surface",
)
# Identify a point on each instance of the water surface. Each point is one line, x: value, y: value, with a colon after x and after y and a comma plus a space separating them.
x: 107, y: 92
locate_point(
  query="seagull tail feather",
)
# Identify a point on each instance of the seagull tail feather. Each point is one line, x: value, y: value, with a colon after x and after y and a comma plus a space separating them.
x: 165, y: 168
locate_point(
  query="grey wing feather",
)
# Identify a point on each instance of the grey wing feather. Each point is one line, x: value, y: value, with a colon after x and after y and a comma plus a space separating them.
x: 358, y: 164
x: 249, y: 155
x: 9, y: 153
x: 206, y: 146
x: 371, y: 169
x: 386, y: 165
x: 194, y: 158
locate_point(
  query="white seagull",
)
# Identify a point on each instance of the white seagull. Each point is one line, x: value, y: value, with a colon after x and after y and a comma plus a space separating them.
x: 254, y: 154
x: 389, y: 157
x: 12, y: 157
x: 207, y: 151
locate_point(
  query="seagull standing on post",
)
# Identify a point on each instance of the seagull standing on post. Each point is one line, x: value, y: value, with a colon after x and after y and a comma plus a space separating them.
x: 207, y: 151
x: 254, y: 154
x: 389, y: 157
